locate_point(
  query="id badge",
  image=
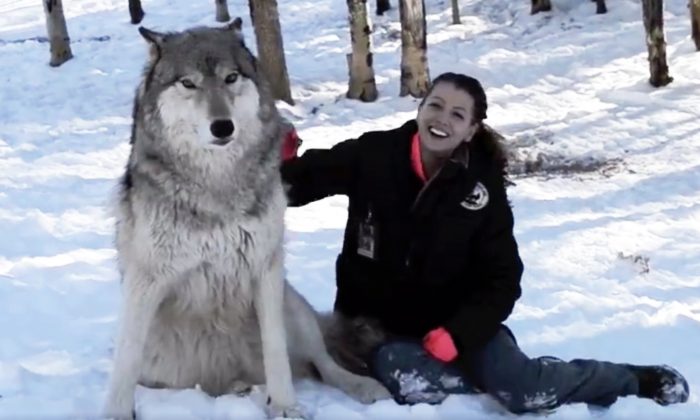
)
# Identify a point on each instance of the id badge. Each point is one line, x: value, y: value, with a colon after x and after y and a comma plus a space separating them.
x: 366, y: 240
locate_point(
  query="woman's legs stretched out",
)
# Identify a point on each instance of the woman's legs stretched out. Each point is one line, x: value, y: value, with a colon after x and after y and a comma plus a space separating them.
x: 520, y: 383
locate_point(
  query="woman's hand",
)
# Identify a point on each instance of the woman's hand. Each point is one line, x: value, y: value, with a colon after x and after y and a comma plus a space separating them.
x: 290, y: 145
x: 439, y: 344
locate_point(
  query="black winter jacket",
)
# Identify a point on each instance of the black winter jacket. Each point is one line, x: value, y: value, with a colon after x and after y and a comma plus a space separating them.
x: 438, y: 259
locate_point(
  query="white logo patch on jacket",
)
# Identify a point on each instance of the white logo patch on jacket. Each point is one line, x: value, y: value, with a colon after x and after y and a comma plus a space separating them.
x: 477, y: 199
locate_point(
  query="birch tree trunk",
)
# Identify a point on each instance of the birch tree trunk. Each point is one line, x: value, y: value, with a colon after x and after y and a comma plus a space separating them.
x: 135, y: 11
x: 415, y: 77
x: 57, y: 32
x: 268, y: 37
x: 361, y: 85
x: 656, y: 44
x: 540, y: 6
x: 695, y: 22
x: 222, y: 11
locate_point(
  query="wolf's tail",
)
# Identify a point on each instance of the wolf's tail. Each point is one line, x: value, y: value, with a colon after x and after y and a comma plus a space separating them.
x: 351, y: 342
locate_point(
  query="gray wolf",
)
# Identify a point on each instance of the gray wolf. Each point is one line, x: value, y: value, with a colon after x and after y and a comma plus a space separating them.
x: 199, y: 236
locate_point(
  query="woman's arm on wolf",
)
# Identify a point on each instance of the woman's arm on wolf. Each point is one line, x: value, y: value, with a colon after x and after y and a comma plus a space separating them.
x: 320, y: 173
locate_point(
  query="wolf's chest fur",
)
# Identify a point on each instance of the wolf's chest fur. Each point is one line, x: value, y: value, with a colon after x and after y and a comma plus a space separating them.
x: 211, y: 260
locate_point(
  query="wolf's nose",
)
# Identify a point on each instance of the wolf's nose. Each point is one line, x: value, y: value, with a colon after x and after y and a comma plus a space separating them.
x: 221, y: 128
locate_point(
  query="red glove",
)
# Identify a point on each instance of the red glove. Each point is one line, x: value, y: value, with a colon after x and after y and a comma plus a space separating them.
x: 439, y: 344
x: 290, y: 145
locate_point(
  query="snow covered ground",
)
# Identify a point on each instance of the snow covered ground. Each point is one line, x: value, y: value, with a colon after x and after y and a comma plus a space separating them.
x: 612, y: 257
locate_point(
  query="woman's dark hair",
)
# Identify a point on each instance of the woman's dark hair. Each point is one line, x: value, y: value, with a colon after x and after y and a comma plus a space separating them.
x: 486, y: 139
x: 469, y: 85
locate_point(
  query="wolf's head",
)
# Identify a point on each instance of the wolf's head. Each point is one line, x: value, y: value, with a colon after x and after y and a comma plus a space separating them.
x: 201, y: 91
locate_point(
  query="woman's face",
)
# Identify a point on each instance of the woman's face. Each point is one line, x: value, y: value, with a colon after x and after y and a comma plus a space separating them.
x: 445, y: 120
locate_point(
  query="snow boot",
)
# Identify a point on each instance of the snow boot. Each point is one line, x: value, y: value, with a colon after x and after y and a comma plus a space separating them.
x: 662, y: 383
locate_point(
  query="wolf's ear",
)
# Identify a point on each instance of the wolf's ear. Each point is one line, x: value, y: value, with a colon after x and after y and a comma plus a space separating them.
x: 155, y: 40
x: 152, y: 36
x: 237, y: 24
x: 237, y: 28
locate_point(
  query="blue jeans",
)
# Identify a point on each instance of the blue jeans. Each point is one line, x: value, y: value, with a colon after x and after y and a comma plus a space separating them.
x: 502, y: 370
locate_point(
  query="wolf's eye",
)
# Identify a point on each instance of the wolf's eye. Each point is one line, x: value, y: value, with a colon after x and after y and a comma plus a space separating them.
x: 231, y: 78
x: 188, y: 84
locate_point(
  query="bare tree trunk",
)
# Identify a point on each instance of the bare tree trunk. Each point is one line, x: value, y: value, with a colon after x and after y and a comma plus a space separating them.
x: 135, y: 11
x: 695, y: 22
x: 656, y: 44
x: 362, y: 85
x: 57, y: 32
x: 415, y: 77
x: 540, y: 6
x: 455, y: 12
x: 600, y: 7
x: 222, y: 11
x: 268, y: 36
x: 382, y: 6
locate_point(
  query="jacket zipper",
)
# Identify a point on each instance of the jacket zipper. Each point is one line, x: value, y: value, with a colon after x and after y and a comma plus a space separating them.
x: 423, y: 189
x: 430, y: 181
x: 420, y: 195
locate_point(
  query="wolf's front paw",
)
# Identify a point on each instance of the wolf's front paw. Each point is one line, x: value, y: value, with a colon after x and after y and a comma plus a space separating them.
x: 286, y: 411
x: 115, y: 414
x: 119, y: 408
x: 240, y: 388
x: 367, y: 390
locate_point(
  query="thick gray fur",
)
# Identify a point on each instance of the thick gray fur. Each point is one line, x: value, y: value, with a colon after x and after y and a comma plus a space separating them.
x: 199, y: 236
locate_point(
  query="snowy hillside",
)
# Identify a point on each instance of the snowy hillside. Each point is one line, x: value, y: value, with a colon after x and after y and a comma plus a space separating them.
x: 612, y: 256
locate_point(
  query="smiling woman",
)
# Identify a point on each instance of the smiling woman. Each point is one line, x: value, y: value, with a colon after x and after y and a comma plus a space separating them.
x: 430, y: 255
x: 448, y: 117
